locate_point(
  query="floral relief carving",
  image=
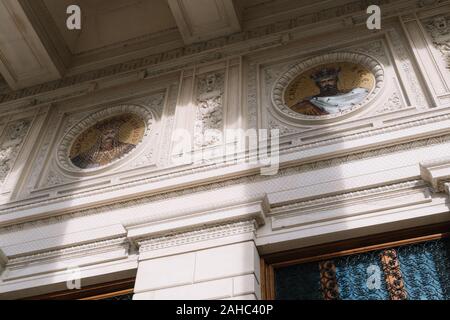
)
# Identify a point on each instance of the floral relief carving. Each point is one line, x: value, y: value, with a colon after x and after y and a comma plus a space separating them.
x: 284, y: 130
x: 439, y: 29
x: 375, y: 49
x: 209, y: 115
x: 10, y: 146
x: 54, y: 178
x: 394, y: 103
x: 252, y: 97
x: 417, y: 95
x: 155, y: 102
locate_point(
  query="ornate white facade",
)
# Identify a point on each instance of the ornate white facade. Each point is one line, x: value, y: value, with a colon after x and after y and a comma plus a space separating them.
x: 198, y: 229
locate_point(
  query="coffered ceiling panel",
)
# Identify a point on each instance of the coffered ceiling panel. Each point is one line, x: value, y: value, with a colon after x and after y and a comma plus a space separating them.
x: 24, y: 61
x: 200, y: 20
x: 109, y: 22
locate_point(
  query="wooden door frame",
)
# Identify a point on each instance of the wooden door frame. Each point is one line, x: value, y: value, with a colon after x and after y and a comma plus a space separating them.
x: 270, y: 262
x: 94, y: 292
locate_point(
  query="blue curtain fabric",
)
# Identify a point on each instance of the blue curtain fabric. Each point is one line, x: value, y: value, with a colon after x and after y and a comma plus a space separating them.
x: 414, y: 272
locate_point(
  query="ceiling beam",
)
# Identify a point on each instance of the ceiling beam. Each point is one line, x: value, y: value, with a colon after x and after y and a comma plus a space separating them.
x: 24, y: 60
x: 201, y: 20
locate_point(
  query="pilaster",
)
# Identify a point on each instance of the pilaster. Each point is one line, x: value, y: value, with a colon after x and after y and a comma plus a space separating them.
x: 215, y: 262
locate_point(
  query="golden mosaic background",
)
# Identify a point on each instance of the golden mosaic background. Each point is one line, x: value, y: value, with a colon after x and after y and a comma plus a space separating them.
x: 351, y: 76
x: 132, y: 130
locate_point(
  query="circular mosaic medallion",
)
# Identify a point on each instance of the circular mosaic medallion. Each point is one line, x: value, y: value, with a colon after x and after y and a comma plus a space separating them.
x: 328, y: 87
x: 107, y: 141
x: 104, y: 139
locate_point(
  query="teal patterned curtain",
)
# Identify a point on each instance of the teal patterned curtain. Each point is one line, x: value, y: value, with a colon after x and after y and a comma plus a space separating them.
x: 414, y: 272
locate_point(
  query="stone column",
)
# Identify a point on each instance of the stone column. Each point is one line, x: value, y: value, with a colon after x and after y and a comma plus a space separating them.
x: 215, y: 262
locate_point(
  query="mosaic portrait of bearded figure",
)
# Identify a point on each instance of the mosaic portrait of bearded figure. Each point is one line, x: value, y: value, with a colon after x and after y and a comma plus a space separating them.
x: 329, y: 89
x: 106, y: 141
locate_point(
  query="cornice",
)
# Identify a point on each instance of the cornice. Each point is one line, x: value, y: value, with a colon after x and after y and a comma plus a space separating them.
x: 249, y: 179
x: 12, y: 207
x: 73, y: 251
x: 360, y: 195
x: 215, y: 49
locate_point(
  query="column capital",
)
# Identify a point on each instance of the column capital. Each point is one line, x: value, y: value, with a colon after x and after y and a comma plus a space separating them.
x: 205, y: 222
x: 197, y: 239
x: 437, y: 174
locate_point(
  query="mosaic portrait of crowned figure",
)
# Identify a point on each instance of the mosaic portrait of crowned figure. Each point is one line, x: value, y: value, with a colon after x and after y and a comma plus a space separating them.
x: 331, y: 99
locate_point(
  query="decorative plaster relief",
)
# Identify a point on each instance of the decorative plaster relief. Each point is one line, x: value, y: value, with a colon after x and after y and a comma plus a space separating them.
x: 209, y: 118
x: 155, y: 103
x: 395, y: 102
x: 252, y: 96
x: 284, y: 129
x: 415, y: 91
x: 10, y: 145
x: 445, y: 139
x: 439, y: 30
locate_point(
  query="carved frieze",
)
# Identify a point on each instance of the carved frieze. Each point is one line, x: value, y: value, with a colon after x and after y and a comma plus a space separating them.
x: 411, y: 79
x: 209, y: 115
x: 439, y: 30
x: 394, y: 103
x: 212, y: 186
x: 10, y: 145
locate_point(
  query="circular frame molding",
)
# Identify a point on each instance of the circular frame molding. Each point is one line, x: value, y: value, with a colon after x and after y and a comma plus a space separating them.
x: 283, y: 82
x: 64, y: 147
